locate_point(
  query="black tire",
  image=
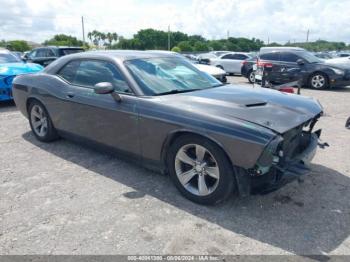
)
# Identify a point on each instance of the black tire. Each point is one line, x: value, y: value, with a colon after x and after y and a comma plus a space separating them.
x: 50, y: 133
x: 316, y: 85
x: 347, y: 124
x: 224, y: 185
x: 251, y: 76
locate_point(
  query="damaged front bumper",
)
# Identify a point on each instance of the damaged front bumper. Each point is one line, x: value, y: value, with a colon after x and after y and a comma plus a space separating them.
x: 285, y: 159
x: 281, y: 174
x: 289, y: 170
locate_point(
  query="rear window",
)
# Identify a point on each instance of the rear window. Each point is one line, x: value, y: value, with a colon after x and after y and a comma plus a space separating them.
x: 270, y: 56
x: 70, y: 51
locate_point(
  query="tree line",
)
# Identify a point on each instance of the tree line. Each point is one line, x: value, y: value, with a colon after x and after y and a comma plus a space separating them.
x: 151, y: 39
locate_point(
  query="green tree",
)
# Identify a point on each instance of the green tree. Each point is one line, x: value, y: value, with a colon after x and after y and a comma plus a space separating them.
x: 63, y: 40
x: 201, y: 46
x: 185, y: 46
x: 17, y: 45
x: 216, y: 45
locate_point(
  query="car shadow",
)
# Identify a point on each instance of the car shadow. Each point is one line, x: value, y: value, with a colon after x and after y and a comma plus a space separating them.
x: 305, y: 218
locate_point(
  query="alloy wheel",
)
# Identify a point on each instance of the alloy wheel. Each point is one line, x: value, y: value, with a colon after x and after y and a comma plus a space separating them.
x: 252, y: 77
x: 39, y: 120
x: 197, y: 169
x: 318, y: 81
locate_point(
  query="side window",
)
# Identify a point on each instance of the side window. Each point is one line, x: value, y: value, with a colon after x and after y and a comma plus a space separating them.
x: 289, y: 57
x: 69, y: 71
x: 270, y: 56
x: 229, y: 56
x: 49, y: 53
x: 89, y: 73
x: 239, y: 57
x: 40, y: 53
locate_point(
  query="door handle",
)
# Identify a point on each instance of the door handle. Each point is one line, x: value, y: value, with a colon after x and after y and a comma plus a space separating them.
x: 70, y: 94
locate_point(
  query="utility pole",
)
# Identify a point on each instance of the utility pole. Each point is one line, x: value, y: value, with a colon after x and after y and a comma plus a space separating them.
x: 268, y: 39
x: 307, y: 35
x: 228, y: 34
x: 169, y: 37
x: 82, y: 27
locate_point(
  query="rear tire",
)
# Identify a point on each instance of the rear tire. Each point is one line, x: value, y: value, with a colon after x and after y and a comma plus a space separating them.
x: 200, y: 170
x: 251, y: 76
x: 40, y: 122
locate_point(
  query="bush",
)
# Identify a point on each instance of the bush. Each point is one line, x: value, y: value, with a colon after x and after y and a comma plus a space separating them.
x: 176, y: 49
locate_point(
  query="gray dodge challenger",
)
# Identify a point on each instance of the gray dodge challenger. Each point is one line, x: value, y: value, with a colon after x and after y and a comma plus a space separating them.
x: 158, y: 109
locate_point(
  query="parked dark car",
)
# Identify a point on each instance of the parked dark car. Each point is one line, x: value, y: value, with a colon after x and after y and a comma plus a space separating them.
x: 45, y: 55
x: 247, y: 69
x: 343, y: 54
x: 161, y: 111
x: 285, y: 64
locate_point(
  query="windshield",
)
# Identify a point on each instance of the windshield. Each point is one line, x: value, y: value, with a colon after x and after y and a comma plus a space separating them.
x: 71, y: 51
x: 157, y: 76
x: 309, y: 57
x: 8, y: 58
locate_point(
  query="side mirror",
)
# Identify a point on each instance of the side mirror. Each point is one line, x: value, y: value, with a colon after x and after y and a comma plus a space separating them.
x: 24, y: 58
x: 103, y: 88
x: 300, y: 62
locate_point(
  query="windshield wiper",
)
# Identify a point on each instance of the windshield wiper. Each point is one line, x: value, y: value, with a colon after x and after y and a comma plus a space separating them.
x: 177, y: 91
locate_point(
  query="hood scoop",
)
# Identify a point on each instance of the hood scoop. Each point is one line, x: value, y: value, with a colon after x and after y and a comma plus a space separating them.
x: 256, y: 104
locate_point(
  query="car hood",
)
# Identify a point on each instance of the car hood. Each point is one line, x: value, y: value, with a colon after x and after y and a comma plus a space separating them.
x: 268, y: 108
x: 10, y: 69
x: 212, y: 70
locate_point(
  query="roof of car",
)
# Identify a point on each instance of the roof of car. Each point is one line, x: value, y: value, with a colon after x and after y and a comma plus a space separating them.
x: 279, y: 48
x: 120, y: 55
x: 126, y: 54
x: 60, y: 47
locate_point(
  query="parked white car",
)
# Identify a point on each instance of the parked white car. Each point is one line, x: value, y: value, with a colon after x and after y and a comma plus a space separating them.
x: 216, y: 72
x: 339, y: 60
x: 231, y: 62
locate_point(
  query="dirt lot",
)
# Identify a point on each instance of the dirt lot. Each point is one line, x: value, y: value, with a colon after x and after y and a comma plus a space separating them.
x: 61, y: 198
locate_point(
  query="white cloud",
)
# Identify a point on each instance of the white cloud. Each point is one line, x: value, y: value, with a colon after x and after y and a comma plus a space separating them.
x: 279, y: 20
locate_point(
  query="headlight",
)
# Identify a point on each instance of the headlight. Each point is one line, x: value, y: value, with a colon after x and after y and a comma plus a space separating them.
x: 338, y: 71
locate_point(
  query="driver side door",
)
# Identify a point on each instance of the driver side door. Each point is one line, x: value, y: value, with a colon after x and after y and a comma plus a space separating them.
x: 99, y: 117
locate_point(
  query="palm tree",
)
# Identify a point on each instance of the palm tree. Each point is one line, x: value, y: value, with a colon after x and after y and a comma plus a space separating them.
x: 110, y: 39
x: 115, y: 37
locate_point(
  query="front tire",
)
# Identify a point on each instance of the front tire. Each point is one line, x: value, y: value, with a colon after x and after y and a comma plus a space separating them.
x: 200, y: 170
x: 318, y: 81
x: 40, y: 122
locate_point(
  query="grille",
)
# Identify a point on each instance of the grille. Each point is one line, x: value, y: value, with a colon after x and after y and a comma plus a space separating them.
x: 292, y: 141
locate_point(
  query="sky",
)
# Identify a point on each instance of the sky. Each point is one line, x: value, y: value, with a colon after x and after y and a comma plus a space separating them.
x: 276, y: 20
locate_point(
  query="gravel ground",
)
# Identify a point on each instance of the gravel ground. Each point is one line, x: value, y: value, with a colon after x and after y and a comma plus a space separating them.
x: 62, y: 198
